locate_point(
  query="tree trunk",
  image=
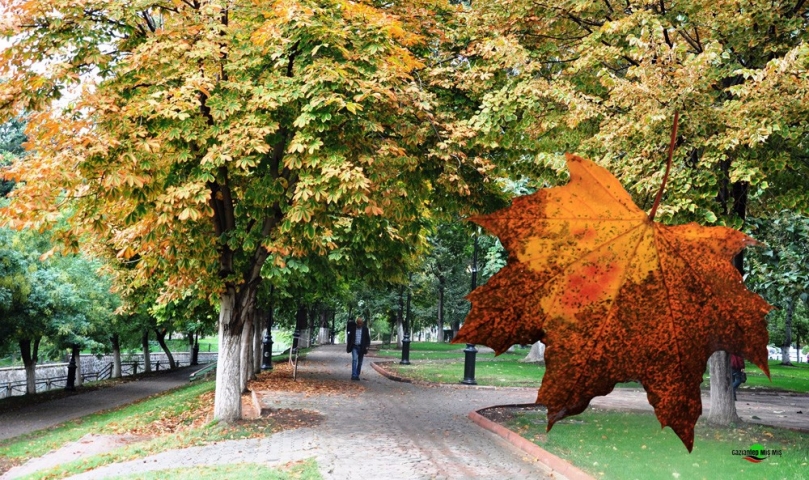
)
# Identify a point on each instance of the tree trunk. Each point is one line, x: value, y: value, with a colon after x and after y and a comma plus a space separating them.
x: 440, y: 311
x: 246, y: 354
x: 77, y: 357
x: 258, y: 337
x: 301, y: 322
x: 227, y: 401
x: 323, y: 333
x: 536, y: 354
x: 733, y: 198
x: 147, y: 355
x: 785, y: 358
x: 160, y: 333
x: 115, y: 340
x: 29, y: 360
x: 723, y: 408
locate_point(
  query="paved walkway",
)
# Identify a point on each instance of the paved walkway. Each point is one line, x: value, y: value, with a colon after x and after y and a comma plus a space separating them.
x: 389, y: 430
x: 394, y: 430
x: 48, y: 414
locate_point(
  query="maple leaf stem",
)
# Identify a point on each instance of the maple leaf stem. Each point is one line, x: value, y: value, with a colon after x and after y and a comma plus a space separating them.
x: 668, y: 166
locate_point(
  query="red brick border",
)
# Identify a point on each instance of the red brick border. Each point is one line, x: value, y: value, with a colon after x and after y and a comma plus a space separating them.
x: 557, y: 464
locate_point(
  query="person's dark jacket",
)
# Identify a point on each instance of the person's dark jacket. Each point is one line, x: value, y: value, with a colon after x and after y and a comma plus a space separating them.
x: 352, y: 336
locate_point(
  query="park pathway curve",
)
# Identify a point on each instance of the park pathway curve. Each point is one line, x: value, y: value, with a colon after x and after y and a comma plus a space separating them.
x: 43, y: 415
x: 389, y: 430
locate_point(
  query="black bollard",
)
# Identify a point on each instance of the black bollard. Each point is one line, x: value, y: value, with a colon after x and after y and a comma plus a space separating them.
x: 405, y: 350
x: 469, y: 364
x: 71, y: 375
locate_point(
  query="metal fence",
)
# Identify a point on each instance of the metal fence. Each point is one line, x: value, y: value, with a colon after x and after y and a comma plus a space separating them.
x: 43, y: 384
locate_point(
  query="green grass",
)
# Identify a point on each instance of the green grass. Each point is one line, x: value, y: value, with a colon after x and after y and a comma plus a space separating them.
x: 497, y: 373
x: 38, y: 443
x: 444, y: 351
x: 182, y: 402
x: 307, y: 470
x: 616, y: 445
x: 209, y: 344
x: 432, y: 362
x: 9, y: 362
x: 795, y: 378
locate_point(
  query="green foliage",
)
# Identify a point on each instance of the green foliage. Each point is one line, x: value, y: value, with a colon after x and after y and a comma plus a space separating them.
x: 604, y: 81
x: 62, y: 298
x: 12, y: 136
x: 779, y: 270
x: 799, y: 327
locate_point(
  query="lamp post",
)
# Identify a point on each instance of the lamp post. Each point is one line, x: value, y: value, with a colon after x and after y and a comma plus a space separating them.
x: 470, y: 351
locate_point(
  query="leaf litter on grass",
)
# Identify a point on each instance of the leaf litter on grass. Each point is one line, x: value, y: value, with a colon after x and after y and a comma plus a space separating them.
x: 188, y: 423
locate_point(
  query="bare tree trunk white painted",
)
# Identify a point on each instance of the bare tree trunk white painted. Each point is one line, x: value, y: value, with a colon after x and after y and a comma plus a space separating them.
x: 536, y: 354
x: 147, y: 355
x: 79, y: 379
x: 323, y: 336
x: 227, y: 400
x: 29, y: 360
x: 723, y: 407
x: 116, y: 356
x: 30, y: 377
x: 305, y: 340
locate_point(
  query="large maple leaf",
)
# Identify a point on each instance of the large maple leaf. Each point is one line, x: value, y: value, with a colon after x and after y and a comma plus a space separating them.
x: 615, y: 297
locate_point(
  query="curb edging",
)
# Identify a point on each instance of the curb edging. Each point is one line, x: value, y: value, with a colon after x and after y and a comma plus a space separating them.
x: 555, y: 463
x: 378, y: 366
x: 558, y: 465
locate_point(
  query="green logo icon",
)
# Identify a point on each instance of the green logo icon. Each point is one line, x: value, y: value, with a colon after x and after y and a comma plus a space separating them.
x: 757, y: 453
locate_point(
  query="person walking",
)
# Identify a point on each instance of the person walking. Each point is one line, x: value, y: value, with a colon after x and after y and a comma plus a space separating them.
x: 357, y: 343
x: 737, y: 372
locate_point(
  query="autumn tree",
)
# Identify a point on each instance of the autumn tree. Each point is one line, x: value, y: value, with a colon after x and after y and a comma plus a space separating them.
x: 604, y: 80
x: 204, y: 138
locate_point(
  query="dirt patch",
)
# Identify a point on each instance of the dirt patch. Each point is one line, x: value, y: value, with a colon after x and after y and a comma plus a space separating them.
x: 7, y: 464
x: 503, y: 414
x: 288, y: 419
